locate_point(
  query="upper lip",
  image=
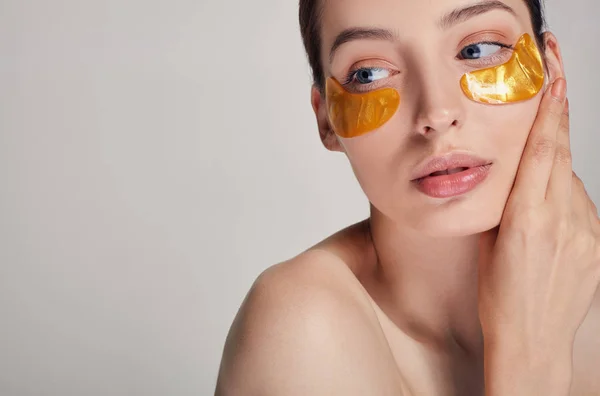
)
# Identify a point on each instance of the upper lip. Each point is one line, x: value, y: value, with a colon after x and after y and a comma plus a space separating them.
x: 447, y: 161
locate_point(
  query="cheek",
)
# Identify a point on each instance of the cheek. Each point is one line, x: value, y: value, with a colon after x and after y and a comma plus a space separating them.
x: 377, y: 158
x: 509, y: 129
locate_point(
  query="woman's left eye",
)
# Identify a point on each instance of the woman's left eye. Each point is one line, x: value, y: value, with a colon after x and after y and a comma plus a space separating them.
x: 481, y: 50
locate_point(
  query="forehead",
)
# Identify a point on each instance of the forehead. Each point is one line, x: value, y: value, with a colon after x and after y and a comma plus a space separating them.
x: 410, y: 19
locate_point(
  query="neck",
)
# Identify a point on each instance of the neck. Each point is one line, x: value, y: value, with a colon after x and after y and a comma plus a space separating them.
x: 428, y: 282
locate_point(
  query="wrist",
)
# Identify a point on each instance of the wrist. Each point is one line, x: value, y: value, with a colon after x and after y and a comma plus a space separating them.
x: 517, y: 367
x: 538, y: 351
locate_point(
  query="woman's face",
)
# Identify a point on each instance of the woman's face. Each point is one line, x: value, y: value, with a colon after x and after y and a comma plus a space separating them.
x: 424, y: 60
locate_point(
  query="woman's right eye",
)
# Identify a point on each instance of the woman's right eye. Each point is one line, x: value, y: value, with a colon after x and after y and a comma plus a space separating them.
x: 367, y: 75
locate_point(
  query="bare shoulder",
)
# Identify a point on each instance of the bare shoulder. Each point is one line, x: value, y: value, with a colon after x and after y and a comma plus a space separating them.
x: 306, y: 328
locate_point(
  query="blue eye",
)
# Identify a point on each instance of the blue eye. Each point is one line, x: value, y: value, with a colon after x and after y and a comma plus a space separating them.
x: 368, y: 75
x: 481, y: 50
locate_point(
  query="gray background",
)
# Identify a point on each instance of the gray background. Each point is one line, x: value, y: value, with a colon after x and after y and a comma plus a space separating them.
x: 155, y: 157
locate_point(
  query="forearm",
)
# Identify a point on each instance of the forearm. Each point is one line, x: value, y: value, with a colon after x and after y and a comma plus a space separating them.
x: 513, y: 369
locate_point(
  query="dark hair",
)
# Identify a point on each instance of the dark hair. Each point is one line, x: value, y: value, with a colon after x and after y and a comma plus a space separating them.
x: 310, y: 21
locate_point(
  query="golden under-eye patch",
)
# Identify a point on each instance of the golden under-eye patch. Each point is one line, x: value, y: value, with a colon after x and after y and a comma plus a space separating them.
x: 353, y: 115
x: 521, y: 78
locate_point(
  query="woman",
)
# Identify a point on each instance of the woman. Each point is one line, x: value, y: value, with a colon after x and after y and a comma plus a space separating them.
x: 453, y: 116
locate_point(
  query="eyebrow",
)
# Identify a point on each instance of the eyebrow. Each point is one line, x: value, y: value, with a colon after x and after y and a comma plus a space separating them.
x: 462, y: 14
x: 447, y: 21
x: 353, y: 34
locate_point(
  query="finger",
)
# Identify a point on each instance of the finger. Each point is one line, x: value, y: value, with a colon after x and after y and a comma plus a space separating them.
x: 594, y: 210
x: 595, y: 218
x: 534, y: 171
x: 559, y: 185
x: 580, y: 201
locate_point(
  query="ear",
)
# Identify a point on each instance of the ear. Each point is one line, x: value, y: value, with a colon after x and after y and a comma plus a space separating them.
x: 319, y: 105
x: 553, y: 57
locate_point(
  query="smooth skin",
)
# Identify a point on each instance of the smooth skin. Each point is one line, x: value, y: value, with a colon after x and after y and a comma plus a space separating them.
x: 308, y: 326
x: 396, y: 305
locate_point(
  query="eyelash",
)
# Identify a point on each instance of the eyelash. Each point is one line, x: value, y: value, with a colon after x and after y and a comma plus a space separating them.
x: 491, y: 59
x: 499, y: 44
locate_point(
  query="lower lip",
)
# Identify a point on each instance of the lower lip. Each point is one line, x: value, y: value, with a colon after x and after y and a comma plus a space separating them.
x: 444, y: 186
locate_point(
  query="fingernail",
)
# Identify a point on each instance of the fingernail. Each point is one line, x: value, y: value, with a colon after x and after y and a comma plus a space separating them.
x: 559, y: 88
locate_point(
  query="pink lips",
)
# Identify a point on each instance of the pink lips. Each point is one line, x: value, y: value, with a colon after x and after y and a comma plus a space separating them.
x: 454, y: 181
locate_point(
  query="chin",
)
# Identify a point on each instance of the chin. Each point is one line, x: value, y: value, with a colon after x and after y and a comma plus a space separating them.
x: 453, y: 227
x: 463, y: 216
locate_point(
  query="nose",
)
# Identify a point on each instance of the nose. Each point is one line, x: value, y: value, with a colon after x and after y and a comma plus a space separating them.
x: 438, y: 119
x: 438, y: 104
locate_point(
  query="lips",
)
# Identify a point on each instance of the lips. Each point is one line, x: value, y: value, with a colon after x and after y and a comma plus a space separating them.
x: 450, y: 175
x: 448, y: 171
x: 448, y: 164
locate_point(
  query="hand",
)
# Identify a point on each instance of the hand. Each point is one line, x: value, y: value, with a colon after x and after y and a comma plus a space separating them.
x: 540, y: 269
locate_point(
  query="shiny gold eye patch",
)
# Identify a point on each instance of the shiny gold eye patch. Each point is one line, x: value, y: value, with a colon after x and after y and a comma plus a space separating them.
x: 521, y: 78
x: 353, y: 115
